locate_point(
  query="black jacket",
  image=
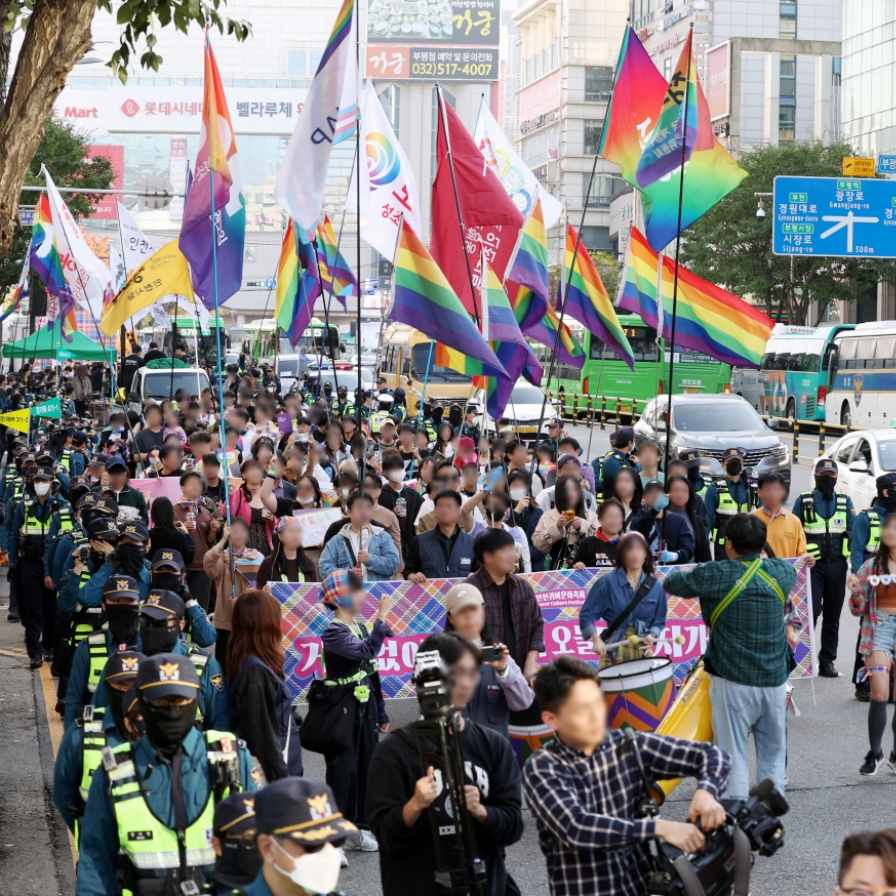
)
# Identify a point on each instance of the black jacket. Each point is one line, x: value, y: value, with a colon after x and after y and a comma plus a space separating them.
x: 429, y: 554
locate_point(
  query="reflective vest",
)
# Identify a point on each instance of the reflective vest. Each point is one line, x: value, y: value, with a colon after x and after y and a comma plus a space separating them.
x: 399, y: 413
x: 199, y: 658
x: 18, y: 489
x: 33, y: 534
x: 65, y: 462
x: 146, y: 846
x: 727, y: 508
x: 874, y: 534
x: 377, y: 419
x: 826, y: 539
x: 98, y: 651
x: 701, y: 492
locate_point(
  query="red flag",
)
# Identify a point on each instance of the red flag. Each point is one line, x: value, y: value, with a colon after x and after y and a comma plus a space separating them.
x: 490, y: 216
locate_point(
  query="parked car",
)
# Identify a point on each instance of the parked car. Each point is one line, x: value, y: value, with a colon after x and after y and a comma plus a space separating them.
x: 712, y: 423
x: 523, y: 411
x: 862, y: 457
x: 164, y: 383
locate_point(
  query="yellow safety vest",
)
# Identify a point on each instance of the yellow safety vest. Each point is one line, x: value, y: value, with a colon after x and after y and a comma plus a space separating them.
x: 826, y: 537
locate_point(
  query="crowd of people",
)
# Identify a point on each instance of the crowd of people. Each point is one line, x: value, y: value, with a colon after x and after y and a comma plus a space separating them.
x: 161, y: 623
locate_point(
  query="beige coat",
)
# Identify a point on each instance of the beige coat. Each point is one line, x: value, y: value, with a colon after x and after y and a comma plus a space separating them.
x: 216, y: 564
x: 547, y: 533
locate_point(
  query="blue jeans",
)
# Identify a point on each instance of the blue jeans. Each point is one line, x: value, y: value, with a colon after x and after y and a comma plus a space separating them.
x: 885, y: 633
x: 737, y: 710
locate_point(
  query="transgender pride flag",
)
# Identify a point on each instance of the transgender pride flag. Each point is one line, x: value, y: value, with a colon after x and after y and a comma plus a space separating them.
x: 216, y: 162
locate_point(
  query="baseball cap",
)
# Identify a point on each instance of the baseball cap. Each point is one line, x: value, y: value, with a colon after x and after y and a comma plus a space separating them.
x: 79, y: 438
x: 103, y: 527
x: 888, y: 480
x: 135, y: 529
x: 553, y: 423
x: 44, y: 473
x: 461, y: 596
x: 826, y: 467
x: 121, y: 586
x: 235, y: 814
x: 167, y: 675
x: 123, y: 665
x: 690, y: 456
x: 162, y: 604
x: 104, y: 505
x: 303, y: 809
x: 623, y: 435
x: 164, y: 557
x: 566, y: 458
x: 733, y: 454
x: 115, y: 462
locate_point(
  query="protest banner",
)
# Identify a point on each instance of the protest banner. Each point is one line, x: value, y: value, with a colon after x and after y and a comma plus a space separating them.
x: 419, y: 610
x: 315, y: 523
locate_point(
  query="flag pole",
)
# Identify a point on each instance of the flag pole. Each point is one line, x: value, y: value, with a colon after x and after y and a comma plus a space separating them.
x: 358, y: 285
x: 359, y: 402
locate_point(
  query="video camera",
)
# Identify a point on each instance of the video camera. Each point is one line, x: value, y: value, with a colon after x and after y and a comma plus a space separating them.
x: 722, y: 867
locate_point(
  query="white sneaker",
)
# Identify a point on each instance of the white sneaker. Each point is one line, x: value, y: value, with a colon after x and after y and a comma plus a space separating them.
x: 363, y: 841
x: 343, y: 858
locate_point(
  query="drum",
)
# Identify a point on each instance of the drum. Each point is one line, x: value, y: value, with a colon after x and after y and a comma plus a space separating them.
x: 526, y: 740
x: 690, y: 717
x: 638, y: 692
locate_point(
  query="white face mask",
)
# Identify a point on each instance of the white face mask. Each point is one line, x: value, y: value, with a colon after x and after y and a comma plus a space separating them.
x: 517, y: 494
x: 42, y: 488
x: 314, y: 872
x: 396, y: 475
x: 305, y: 501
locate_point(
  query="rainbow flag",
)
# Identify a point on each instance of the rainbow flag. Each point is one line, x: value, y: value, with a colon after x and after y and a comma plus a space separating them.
x: 335, y: 274
x: 14, y: 298
x: 530, y: 263
x: 587, y: 301
x: 545, y: 331
x: 713, y: 321
x: 642, y: 274
x: 44, y: 257
x: 288, y: 274
x: 298, y: 284
x: 217, y: 153
x: 423, y: 299
x: 684, y: 124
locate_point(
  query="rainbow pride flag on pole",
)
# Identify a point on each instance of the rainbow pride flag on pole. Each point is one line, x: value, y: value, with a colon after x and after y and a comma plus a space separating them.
x: 335, y: 274
x: 423, y: 299
x: 545, y: 330
x: 642, y: 275
x: 530, y: 264
x: 586, y: 299
x: 298, y: 284
x: 14, y: 298
x: 46, y: 260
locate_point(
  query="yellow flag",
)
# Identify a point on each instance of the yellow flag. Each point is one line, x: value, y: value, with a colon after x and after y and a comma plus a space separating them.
x: 17, y: 420
x: 160, y: 275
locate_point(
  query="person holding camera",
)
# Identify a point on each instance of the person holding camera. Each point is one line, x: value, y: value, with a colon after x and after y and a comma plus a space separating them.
x: 585, y: 790
x: 399, y: 796
x: 748, y: 658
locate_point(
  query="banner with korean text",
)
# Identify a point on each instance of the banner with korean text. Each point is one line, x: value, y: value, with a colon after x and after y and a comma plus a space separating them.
x: 419, y: 610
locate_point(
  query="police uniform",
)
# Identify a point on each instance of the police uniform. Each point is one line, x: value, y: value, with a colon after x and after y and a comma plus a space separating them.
x: 382, y: 414
x: 725, y: 498
x: 198, y: 629
x: 239, y: 861
x: 303, y: 810
x: 827, y: 521
x: 149, y: 819
x: 80, y: 753
x: 691, y: 457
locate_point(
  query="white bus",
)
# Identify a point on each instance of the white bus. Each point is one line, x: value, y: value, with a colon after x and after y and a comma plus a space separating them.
x: 863, y: 381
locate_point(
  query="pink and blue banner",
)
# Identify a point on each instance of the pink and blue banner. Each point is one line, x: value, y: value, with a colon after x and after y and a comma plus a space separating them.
x: 419, y: 610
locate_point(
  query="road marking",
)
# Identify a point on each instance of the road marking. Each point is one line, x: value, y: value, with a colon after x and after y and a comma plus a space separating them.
x: 18, y: 653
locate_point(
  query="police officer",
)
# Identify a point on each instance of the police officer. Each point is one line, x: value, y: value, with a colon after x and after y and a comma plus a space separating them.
x: 80, y: 753
x: 399, y: 410
x: 149, y: 819
x: 168, y: 573
x: 469, y: 429
x: 121, y: 604
x: 233, y: 840
x: 690, y: 457
x: 726, y: 497
x: 623, y: 442
x: 341, y: 406
x: 864, y: 541
x: 382, y: 386
x: 382, y: 412
x: 827, y: 518
x: 299, y: 828
x: 27, y: 544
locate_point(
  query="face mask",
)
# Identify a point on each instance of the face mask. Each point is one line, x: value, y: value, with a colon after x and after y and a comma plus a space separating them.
x: 167, y: 726
x: 345, y: 493
x: 517, y: 494
x: 132, y: 557
x: 396, y: 476
x: 168, y: 581
x: 735, y: 468
x: 305, y: 501
x: 495, y: 513
x: 314, y: 872
x: 115, y: 698
x: 237, y: 863
x: 826, y: 485
x: 122, y: 619
x: 158, y: 640
x: 693, y: 474
x: 42, y: 488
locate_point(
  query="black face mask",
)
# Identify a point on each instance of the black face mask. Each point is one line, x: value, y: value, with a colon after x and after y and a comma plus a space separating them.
x: 167, y: 726
x: 693, y: 474
x: 132, y: 559
x: 735, y: 468
x: 167, y: 581
x: 238, y: 865
x: 826, y: 485
x: 115, y: 698
x: 158, y: 640
x: 889, y: 504
x: 122, y: 619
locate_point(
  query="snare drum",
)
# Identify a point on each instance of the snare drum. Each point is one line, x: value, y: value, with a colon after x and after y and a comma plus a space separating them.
x: 526, y: 740
x: 638, y: 692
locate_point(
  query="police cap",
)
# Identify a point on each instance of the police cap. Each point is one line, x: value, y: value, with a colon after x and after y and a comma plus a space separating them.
x: 234, y: 815
x: 121, y: 586
x: 162, y: 604
x: 690, y: 457
x: 888, y: 480
x: 733, y: 454
x: 826, y: 467
x: 302, y: 809
x: 123, y: 665
x: 106, y: 506
x: 167, y: 675
x: 103, y: 528
x: 44, y: 473
x: 167, y: 558
x: 135, y: 529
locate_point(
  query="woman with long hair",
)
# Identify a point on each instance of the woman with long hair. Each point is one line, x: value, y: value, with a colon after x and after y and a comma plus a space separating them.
x: 628, y: 492
x: 166, y: 533
x: 681, y: 502
x: 246, y: 502
x: 308, y: 493
x: 559, y: 530
x: 288, y: 563
x: 350, y: 652
x: 612, y: 594
x: 334, y: 452
x: 600, y: 549
x: 442, y: 444
x: 873, y: 598
x: 260, y: 703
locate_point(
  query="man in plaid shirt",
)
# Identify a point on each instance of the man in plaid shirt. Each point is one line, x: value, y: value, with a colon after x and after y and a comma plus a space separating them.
x: 584, y: 789
x: 744, y: 601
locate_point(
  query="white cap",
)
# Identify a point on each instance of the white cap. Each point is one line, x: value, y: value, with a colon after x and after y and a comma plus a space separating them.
x: 462, y: 596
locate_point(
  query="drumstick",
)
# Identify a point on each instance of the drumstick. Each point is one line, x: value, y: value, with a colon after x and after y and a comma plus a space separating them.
x: 634, y: 641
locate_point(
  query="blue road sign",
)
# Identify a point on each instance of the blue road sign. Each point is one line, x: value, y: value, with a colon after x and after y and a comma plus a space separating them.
x: 886, y: 164
x: 270, y: 283
x: 26, y: 215
x: 834, y: 216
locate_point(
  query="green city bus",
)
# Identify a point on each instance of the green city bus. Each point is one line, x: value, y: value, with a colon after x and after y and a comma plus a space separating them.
x: 605, y: 376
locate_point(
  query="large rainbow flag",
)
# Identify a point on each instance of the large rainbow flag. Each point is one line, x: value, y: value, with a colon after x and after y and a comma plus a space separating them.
x: 45, y: 259
x: 545, y: 330
x: 423, y: 299
x: 710, y: 174
x: 586, y: 299
x: 530, y: 265
x: 642, y: 274
x: 335, y: 274
x: 298, y: 284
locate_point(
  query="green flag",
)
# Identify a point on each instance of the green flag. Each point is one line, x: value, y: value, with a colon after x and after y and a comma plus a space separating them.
x: 51, y: 408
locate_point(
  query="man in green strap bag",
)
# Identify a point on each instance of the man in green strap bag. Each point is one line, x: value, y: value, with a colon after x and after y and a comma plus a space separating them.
x: 744, y: 600
x: 148, y: 825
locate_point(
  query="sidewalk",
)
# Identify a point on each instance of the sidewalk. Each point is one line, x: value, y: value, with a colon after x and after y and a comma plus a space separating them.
x: 35, y: 851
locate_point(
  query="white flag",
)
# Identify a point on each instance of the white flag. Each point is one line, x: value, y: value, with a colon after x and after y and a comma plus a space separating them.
x: 516, y: 176
x: 135, y: 246
x: 159, y: 316
x: 388, y: 188
x: 87, y: 276
x: 323, y: 122
x: 116, y: 268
